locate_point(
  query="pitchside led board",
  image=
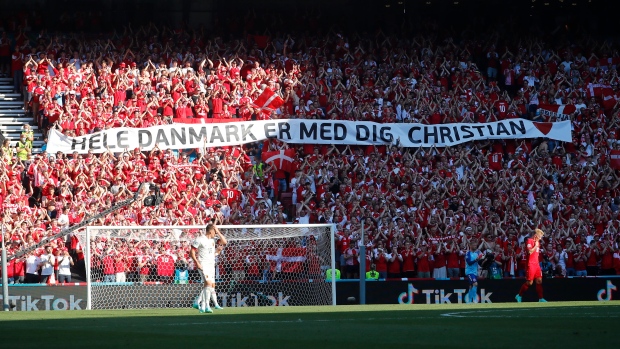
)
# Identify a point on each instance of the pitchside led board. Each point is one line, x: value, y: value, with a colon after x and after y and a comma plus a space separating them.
x: 298, y: 131
x: 39, y: 298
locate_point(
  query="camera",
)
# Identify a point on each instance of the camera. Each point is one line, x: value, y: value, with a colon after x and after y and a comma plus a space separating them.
x: 153, y: 200
x: 487, y: 260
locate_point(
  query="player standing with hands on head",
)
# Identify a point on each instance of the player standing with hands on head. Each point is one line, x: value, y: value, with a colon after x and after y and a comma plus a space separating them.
x: 203, y: 252
x: 533, y: 273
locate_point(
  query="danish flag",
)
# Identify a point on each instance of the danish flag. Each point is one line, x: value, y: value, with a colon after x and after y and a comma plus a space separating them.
x: 561, y: 112
x: 595, y: 90
x: 281, y: 159
x: 268, y: 101
x: 287, y: 260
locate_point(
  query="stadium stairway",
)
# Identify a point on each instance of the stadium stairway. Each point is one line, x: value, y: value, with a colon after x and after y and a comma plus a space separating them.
x: 13, y: 116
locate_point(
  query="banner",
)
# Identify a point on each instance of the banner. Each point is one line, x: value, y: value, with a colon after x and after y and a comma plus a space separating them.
x: 188, y: 136
x: 35, y: 297
x: 427, y: 291
x: 561, y: 112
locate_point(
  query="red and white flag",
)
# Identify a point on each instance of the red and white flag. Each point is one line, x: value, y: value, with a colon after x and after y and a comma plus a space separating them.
x: 609, y: 98
x: 614, y: 159
x: 203, y: 121
x: 560, y: 112
x: 281, y: 159
x: 287, y: 260
x: 595, y: 90
x: 268, y: 101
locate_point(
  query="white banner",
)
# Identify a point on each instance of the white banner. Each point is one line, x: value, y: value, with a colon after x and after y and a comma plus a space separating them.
x: 187, y: 136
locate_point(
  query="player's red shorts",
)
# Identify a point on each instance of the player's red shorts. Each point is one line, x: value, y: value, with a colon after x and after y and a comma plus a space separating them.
x: 533, y: 272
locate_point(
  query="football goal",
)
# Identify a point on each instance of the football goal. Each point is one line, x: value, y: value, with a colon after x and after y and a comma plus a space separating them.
x: 133, y: 267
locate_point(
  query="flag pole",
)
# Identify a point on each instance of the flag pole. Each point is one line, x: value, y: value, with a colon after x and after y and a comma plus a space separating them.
x: 5, y: 279
x: 362, y: 256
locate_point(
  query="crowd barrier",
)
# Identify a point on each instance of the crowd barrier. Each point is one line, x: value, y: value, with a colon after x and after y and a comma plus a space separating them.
x: 33, y: 297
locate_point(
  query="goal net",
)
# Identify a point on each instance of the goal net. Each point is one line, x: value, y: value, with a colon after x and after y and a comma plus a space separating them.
x: 262, y: 265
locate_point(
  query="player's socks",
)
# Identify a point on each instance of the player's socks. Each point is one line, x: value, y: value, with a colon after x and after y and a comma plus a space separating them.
x: 473, y: 294
x: 206, y: 297
x: 214, y: 299
x: 198, y: 300
x: 523, y: 289
x: 539, y: 291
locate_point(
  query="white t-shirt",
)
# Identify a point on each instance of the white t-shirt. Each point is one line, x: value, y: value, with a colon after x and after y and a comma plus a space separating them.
x: 562, y: 257
x: 206, y: 249
x: 64, y: 265
x: 32, y: 265
x: 48, y: 267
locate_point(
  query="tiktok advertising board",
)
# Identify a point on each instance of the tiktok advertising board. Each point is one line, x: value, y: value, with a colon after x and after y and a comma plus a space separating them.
x: 412, y: 291
x: 423, y: 291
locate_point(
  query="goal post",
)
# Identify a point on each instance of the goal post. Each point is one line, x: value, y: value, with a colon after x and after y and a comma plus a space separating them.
x: 133, y: 267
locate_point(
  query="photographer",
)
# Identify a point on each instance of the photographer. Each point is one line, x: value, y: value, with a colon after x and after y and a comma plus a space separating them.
x: 487, y: 260
x: 547, y: 268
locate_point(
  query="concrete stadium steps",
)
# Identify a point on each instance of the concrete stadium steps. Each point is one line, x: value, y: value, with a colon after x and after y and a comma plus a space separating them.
x: 13, y: 117
x: 16, y: 120
x: 10, y: 97
x: 4, y: 104
x: 12, y: 113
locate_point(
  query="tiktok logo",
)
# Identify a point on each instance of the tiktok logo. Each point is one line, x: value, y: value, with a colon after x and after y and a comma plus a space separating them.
x: 442, y: 296
x: 409, y: 295
x: 606, y: 292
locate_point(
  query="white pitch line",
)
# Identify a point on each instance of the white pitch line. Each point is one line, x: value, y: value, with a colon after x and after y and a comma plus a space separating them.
x: 472, y: 314
x: 215, y: 322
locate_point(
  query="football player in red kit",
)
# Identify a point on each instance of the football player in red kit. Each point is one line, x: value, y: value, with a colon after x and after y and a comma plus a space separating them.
x: 533, y: 273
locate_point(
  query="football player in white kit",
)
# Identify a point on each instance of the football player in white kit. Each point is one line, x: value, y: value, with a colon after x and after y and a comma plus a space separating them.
x: 203, y: 252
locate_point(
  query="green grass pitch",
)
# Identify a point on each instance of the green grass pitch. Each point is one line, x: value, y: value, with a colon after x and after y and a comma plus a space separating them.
x: 550, y: 325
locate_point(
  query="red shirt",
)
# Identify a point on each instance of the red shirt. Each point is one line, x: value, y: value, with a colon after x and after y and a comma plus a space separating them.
x: 394, y: 267
x: 165, y: 265
x: 381, y: 263
x: 533, y: 257
x: 408, y: 260
x: 232, y: 195
x: 108, y: 265
x: 119, y: 265
x: 495, y: 161
x: 452, y: 260
x: 424, y: 265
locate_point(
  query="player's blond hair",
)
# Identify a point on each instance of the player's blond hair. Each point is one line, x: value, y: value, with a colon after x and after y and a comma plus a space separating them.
x: 538, y: 231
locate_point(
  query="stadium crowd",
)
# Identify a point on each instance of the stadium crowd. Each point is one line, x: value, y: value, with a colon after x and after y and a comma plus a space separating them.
x: 420, y: 206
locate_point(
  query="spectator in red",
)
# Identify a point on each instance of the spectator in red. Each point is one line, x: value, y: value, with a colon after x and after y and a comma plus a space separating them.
x: 108, y: 264
x: 164, y: 263
x: 395, y: 262
x: 424, y: 258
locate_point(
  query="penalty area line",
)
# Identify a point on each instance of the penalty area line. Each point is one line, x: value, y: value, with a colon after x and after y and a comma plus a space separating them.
x: 242, y: 322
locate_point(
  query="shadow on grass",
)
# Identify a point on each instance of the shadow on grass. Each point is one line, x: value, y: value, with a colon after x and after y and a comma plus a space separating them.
x: 425, y: 326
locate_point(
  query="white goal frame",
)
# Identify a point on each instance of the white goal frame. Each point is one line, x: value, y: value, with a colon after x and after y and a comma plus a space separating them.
x: 90, y: 229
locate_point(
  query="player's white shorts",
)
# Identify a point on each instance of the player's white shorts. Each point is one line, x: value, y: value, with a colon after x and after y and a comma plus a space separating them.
x: 207, y: 273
